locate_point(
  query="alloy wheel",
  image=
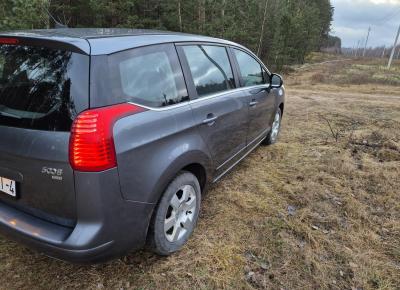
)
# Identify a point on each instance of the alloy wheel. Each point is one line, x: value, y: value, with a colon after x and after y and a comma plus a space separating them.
x: 276, y: 126
x: 180, y: 214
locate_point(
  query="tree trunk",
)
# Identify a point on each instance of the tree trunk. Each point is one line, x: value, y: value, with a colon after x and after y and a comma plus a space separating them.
x: 202, y: 15
x: 180, y: 16
x: 223, y: 17
x: 262, y: 29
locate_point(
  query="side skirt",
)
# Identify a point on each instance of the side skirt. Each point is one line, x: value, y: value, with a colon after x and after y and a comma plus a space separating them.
x: 234, y: 164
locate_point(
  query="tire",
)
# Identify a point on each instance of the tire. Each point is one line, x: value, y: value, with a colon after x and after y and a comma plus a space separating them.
x: 176, y: 215
x: 273, y: 135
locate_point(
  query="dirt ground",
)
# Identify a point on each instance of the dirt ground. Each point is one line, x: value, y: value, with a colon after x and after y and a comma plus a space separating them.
x: 318, y: 210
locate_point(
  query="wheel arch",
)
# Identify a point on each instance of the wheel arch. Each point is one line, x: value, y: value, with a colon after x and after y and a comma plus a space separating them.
x: 195, y: 162
x: 282, y: 107
x: 199, y: 171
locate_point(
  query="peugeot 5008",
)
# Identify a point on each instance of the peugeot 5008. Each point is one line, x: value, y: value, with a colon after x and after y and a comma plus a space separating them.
x: 109, y: 137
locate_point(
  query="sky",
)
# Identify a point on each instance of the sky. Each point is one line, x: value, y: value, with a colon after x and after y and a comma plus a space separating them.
x: 353, y: 17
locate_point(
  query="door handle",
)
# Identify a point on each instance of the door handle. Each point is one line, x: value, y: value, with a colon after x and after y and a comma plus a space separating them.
x: 210, y: 120
x: 253, y: 103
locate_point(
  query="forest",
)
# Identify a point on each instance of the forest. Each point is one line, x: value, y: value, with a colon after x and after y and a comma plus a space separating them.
x: 281, y: 32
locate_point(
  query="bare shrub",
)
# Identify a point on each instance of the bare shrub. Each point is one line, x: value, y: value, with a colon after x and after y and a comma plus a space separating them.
x: 317, y: 78
x: 341, y: 126
x: 359, y: 79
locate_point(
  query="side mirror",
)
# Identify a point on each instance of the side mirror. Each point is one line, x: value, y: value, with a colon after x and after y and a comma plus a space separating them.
x: 276, y: 81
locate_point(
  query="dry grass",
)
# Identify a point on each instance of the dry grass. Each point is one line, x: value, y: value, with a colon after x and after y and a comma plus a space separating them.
x: 319, y: 210
x: 360, y: 75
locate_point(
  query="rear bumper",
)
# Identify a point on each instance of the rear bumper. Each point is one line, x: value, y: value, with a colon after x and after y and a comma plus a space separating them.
x: 107, y: 225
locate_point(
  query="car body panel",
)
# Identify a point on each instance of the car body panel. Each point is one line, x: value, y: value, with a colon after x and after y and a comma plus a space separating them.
x: 261, y: 112
x: 107, y: 225
x: 102, y: 46
x: 167, y: 141
x: 43, y: 193
x: 226, y: 136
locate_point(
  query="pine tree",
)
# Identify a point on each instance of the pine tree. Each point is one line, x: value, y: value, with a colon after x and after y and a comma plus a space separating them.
x: 280, y: 31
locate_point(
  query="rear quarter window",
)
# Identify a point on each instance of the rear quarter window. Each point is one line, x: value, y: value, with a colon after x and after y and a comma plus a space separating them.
x: 42, y: 88
x: 149, y: 76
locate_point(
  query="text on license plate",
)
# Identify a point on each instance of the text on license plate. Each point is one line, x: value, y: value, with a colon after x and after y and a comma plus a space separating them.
x: 8, y: 186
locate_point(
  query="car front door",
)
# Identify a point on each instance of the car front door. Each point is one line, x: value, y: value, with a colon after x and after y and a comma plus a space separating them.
x: 261, y: 101
x: 219, y: 109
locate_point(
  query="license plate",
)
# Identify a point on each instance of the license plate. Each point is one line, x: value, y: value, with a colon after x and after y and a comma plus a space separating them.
x: 8, y: 186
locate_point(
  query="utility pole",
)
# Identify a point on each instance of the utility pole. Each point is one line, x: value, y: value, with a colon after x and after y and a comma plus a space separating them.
x: 383, y: 53
x: 394, y: 49
x: 366, y: 41
x: 398, y: 53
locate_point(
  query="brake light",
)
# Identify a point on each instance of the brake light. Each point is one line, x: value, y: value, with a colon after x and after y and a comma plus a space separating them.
x: 91, y: 146
x: 6, y: 40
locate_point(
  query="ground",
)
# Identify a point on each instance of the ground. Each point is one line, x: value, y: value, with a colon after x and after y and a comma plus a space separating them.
x: 318, y: 210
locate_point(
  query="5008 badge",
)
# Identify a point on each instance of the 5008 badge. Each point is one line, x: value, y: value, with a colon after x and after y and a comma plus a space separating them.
x: 55, y: 173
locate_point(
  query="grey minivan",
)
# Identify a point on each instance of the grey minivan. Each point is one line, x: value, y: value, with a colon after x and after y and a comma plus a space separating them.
x: 109, y: 137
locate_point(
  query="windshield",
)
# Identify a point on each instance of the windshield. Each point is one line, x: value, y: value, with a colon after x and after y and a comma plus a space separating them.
x: 41, y: 88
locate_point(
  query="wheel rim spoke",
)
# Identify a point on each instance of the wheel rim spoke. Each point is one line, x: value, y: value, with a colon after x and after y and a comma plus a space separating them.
x: 175, y: 202
x: 187, y: 222
x: 176, y: 232
x: 169, y: 223
x: 185, y: 193
x: 275, y: 126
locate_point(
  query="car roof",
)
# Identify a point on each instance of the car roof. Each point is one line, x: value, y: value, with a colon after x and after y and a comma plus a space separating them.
x: 88, y: 33
x: 100, y: 41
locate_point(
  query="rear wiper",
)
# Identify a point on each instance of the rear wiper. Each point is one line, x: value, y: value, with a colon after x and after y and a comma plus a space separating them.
x: 5, y: 114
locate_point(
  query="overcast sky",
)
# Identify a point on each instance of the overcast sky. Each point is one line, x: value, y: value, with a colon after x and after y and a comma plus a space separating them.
x: 353, y: 17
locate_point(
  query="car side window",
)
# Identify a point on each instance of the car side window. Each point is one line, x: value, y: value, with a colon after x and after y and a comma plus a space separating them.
x: 149, y: 76
x: 210, y: 68
x: 251, y: 71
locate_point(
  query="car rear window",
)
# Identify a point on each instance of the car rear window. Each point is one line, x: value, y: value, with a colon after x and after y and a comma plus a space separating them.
x: 42, y: 88
x: 149, y: 76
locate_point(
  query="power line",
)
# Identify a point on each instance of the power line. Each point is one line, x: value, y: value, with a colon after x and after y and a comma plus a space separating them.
x: 388, y: 17
x: 380, y: 22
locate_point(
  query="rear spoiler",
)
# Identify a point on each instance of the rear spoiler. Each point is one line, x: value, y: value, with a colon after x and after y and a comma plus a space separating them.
x: 77, y: 45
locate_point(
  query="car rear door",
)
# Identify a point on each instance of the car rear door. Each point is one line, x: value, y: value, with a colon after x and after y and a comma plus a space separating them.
x: 41, y: 91
x: 219, y: 109
x: 254, y: 78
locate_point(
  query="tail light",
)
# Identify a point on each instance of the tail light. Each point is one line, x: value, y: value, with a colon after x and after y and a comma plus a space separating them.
x: 91, y: 146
